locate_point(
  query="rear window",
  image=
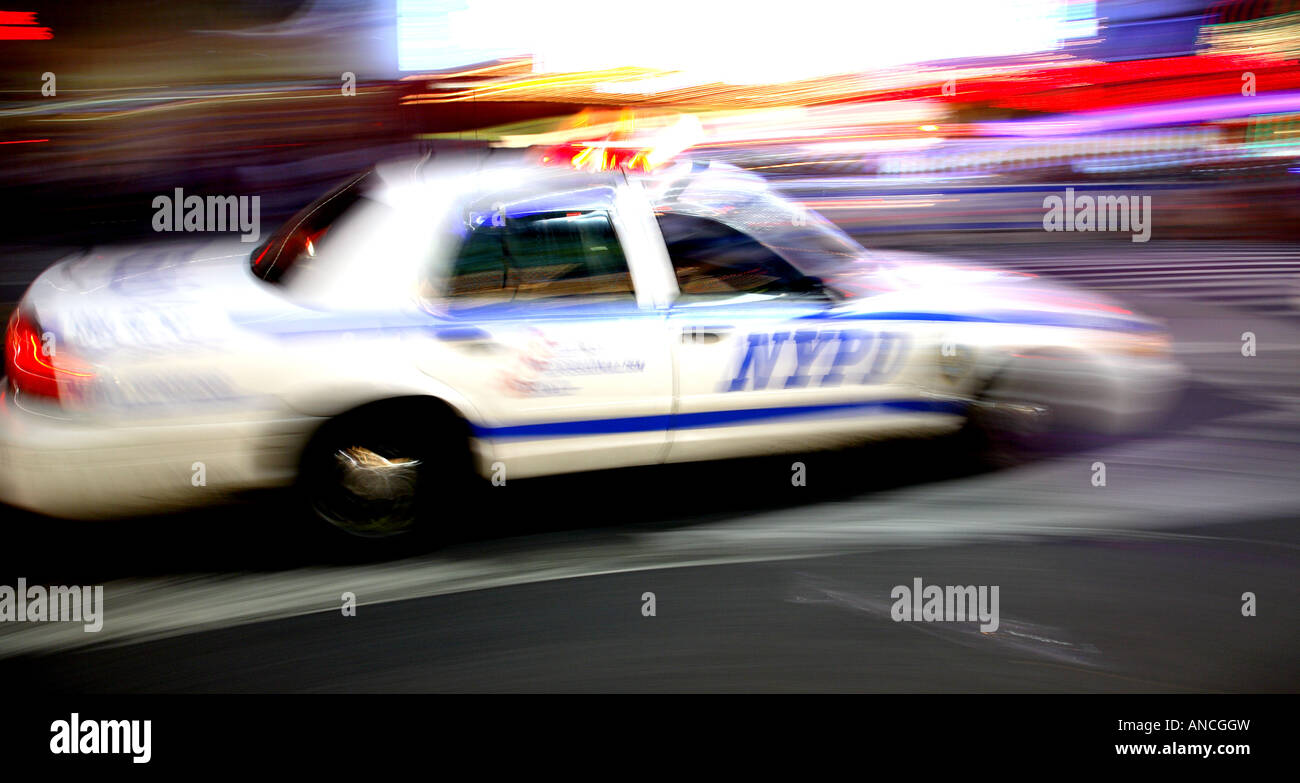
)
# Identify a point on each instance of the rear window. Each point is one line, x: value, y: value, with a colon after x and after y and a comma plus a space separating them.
x: 302, y: 236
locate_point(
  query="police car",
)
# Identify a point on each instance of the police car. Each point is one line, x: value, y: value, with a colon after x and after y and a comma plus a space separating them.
x: 427, y: 319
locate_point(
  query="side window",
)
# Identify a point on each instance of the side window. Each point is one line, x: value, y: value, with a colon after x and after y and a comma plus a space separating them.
x: 542, y: 255
x: 712, y: 259
x: 480, y: 268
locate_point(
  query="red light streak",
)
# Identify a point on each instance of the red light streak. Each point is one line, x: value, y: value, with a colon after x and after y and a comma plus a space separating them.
x: 21, y: 26
x: 14, y: 33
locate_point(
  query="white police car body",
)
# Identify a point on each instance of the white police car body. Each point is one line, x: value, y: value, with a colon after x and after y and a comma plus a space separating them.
x: 532, y: 321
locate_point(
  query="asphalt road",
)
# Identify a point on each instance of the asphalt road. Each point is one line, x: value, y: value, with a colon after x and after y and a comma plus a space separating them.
x: 1080, y: 614
x: 1134, y: 586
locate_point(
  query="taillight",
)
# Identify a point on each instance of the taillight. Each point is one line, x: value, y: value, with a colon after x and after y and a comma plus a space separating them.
x: 36, y: 365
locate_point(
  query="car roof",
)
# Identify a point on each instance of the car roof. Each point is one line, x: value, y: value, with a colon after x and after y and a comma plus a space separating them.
x: 484, y: 183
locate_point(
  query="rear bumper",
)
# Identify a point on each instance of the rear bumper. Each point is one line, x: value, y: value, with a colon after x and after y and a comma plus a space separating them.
x: 79, y: 469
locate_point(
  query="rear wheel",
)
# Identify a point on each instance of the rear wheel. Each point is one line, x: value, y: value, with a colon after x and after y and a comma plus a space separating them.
x: 374, y: 473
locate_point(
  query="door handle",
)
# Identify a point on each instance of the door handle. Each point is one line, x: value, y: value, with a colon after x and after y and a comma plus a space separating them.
x: 703, y: 335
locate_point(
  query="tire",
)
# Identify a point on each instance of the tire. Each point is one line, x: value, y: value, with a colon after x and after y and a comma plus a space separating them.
x: 386, y: 473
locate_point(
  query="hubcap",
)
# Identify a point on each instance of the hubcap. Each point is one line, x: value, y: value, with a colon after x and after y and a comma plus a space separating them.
x: 373, y: 495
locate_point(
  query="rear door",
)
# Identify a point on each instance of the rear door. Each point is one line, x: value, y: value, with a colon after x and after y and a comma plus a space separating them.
x: 544, y: 332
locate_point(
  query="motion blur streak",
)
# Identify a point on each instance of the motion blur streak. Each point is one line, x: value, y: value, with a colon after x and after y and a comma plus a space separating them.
x: 758, y: 309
